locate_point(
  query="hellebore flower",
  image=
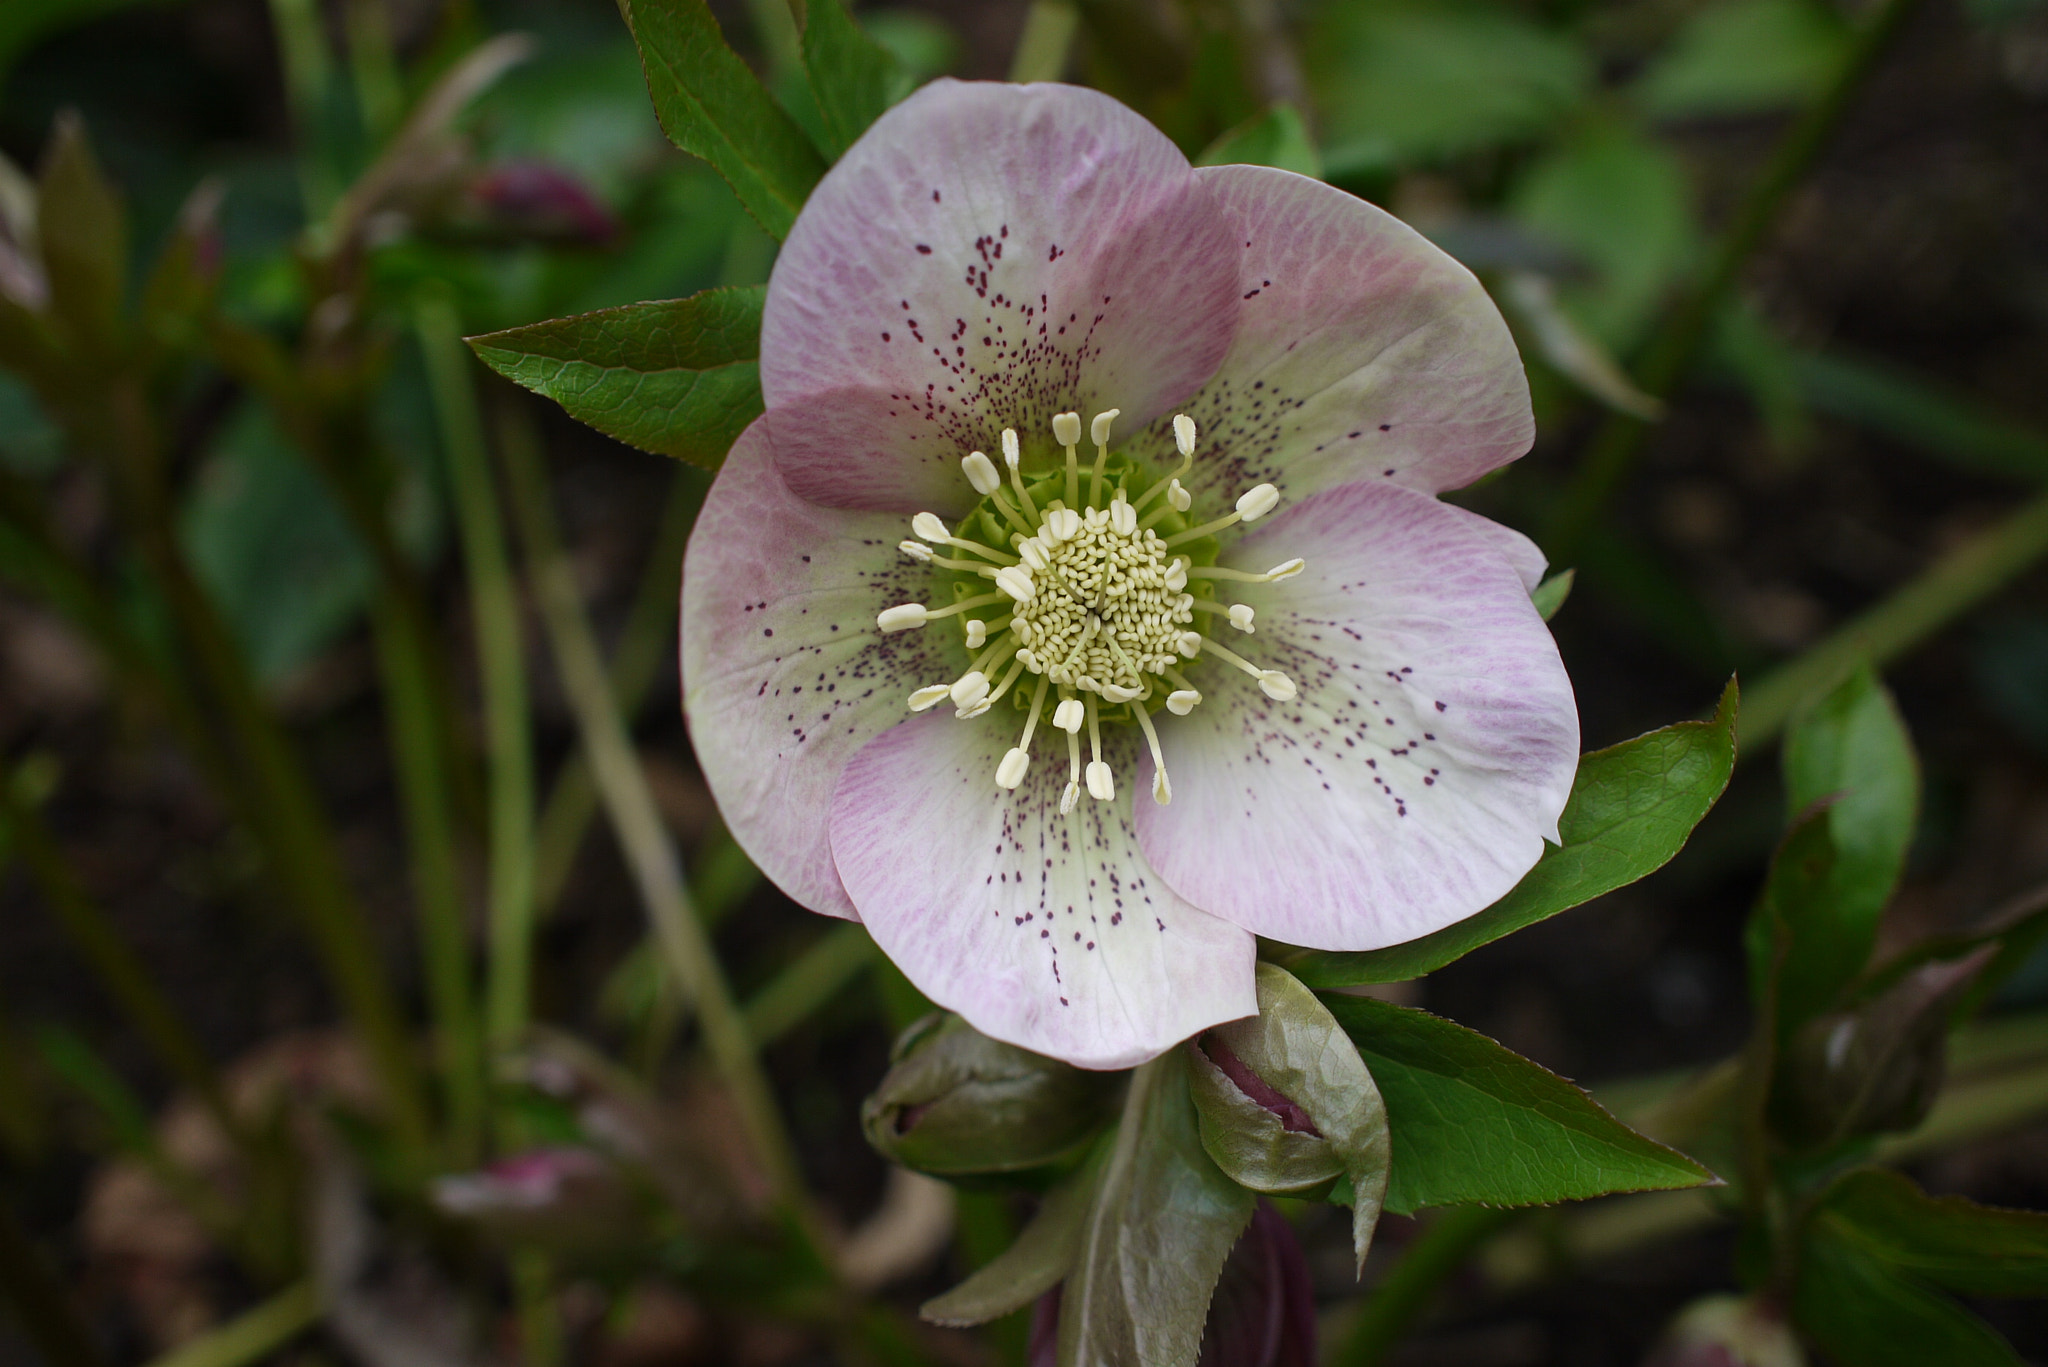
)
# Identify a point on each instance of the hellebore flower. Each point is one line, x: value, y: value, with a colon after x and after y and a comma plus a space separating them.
x: 1242, y: 580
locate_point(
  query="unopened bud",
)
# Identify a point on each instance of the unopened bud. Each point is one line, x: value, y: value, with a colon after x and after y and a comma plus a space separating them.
x: 957, y: 1102
x: 1728, y: 1331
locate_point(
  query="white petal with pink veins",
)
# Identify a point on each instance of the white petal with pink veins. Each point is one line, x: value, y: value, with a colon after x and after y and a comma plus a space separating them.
x: 784, y: 673
x: 995, y: 254
x: 1048, y: 931
x: 1362, y: 351
x: 1424, y: 758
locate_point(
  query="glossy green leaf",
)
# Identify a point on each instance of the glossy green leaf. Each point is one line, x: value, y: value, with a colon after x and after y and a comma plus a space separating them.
x: 853, y: 78
x: 82, y: 228
x: 1473, y: 1121
x: 1034, y: 1264
x: 1864, y: 1313
x: 676, y: 377
x: 1798, y: 878
x: 1295, y: 1049
x: 1277, y: 137
x: 1549, y: 596
x: 1631, y: 809
x: 1162, y: 1221
x: 1973, y: 1249
x: 1852, y: 750
x: 713, y: 107
x: 1744, y: 57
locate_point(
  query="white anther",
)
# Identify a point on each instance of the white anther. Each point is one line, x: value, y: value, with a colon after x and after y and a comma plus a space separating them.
x: 931, y: 528
x: 1118, y: 693
x: 902, y: 617
x: 1032, y: 553
x: 1286, y: 569
x: 1069, y: 523
x: 1123, y: 518
x: 930, y: 696
x: 1177, y: 577
x: 1162, y: 791
x: 1069, y: 715
x: 1015, y: 581
x: 1178, y: 498
x: 977, y: 633
x: 1010, y: 447
x: 1241, y: 617
x: 1069, y: 797
x: 1189, y: 644
x: 969, y: 689
x: 1010, y: 772
x: 973, y: 710
x: 1184, y: 433
x: 1276, y: 685
x: 981, y: 473
x: 1101, y: 783
x: 1182, y: 701
x: 1098, y: 431
x: 916, y: 550
x: 1254, y: 503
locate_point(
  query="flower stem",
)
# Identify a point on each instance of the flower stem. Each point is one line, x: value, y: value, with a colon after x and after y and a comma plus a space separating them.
x: 629, y: 802
x: 1613, y: 452
x: 254, y: 1334
x: 1405, y: 1294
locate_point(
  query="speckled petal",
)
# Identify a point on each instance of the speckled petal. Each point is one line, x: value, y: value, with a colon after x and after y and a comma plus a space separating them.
x: 861, y: 449
x: 1049, y: 932
x: 1362, y: 352
x: 1425, y: 759
x: 993, y: 254
x: 784, y: 674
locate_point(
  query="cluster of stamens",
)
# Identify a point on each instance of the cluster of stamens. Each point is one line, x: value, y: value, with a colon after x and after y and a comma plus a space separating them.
x: 1088, y: 599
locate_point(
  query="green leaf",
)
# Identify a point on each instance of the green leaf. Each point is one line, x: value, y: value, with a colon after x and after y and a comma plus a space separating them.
x: 1569, y: 349
x: 1403, y: 82
x: 1863, y: 1313
x: 1798, y: 878
x: 1631, y: 809
x: 676, y: 377
x: 853, y: 78
x: 713, y: 107
x: 1549, y: 596
x: 1976, y: 1250
x: 1744, y: 57
x: 1162, y: 1221
x: 1473, y: 1121
x: 1851, y: 747
x: 1277, y: 137
x: 1038, y: 1261
x: 1917, y: 412
x: 82, y: 228
x: 1295, y: 1049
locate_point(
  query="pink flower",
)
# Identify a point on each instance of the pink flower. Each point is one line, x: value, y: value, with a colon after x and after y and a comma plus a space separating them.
x: 1238, y: 575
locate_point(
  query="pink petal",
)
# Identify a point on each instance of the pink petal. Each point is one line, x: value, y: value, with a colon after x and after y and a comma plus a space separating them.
x: 1362, y: 352
x: 784, y: 674
x: 1049, y: 932
x: 993, y: 254
x: 1425, y: 760
x: 859, y: 448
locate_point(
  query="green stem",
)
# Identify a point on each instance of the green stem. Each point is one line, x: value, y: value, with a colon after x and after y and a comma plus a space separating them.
x: 1408, y: 1290
x: 302, y: 50
x: 1614, y: 449
x: 629, y: 802
x: 54, y: 1324
x: 373, y: 68
x: 501, y: 657
x: 254, y: 1334
x: 1953, y: 583
x: 814, y: 978
x: 1042, y: 47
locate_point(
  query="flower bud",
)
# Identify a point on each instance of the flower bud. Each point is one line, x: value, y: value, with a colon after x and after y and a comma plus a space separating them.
x: 1728, y: 1331
x: 1875, y: 1067
x: 957, y: 1102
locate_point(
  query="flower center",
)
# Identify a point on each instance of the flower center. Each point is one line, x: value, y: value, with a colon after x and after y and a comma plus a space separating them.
x: 1099, y: 613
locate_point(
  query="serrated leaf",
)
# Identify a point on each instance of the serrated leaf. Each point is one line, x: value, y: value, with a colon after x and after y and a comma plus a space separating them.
x: 1969, y: 1248
x: 1863, y: 1313
x: 1632, y: 807
x: 713, y: 107
x: 1277, y: 137
x: 677, y: 377
x: 1473, y: 1121
x: 1034, y: 1264
x: 1852, y: 750
x: 82, y: 227
x: 1162, y: 1221
x: 853, y: 78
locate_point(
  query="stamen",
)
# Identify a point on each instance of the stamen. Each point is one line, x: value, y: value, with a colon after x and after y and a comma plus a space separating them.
x: 1072, y: 792
x: 1286, y: 569
x: 1012, y: 458
x: 1010, y: 772
x: 1069, y: 715
x: 1184, y: 438
x: 902, y: 617
x: 1123, y: 519
x: 1177, y: 577
x: 1009, y: 677
x: 1015, y: 582
x: 930, y: 696
x: 1189, y: 644
x: 932, y: 528
x: 1182, y: 701
x: 1066, y: 430
x: 978, y: 600
x: 1272, y: 682
x: 1240, y: 614
x: 977, y: 633
x: 1098, y: 432
x: 1101, y: 783
x: 1162, y: 791
x: 981, y: 473
x: 969, y: 689
x: 916, y: 550
x: 1255, y: 502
